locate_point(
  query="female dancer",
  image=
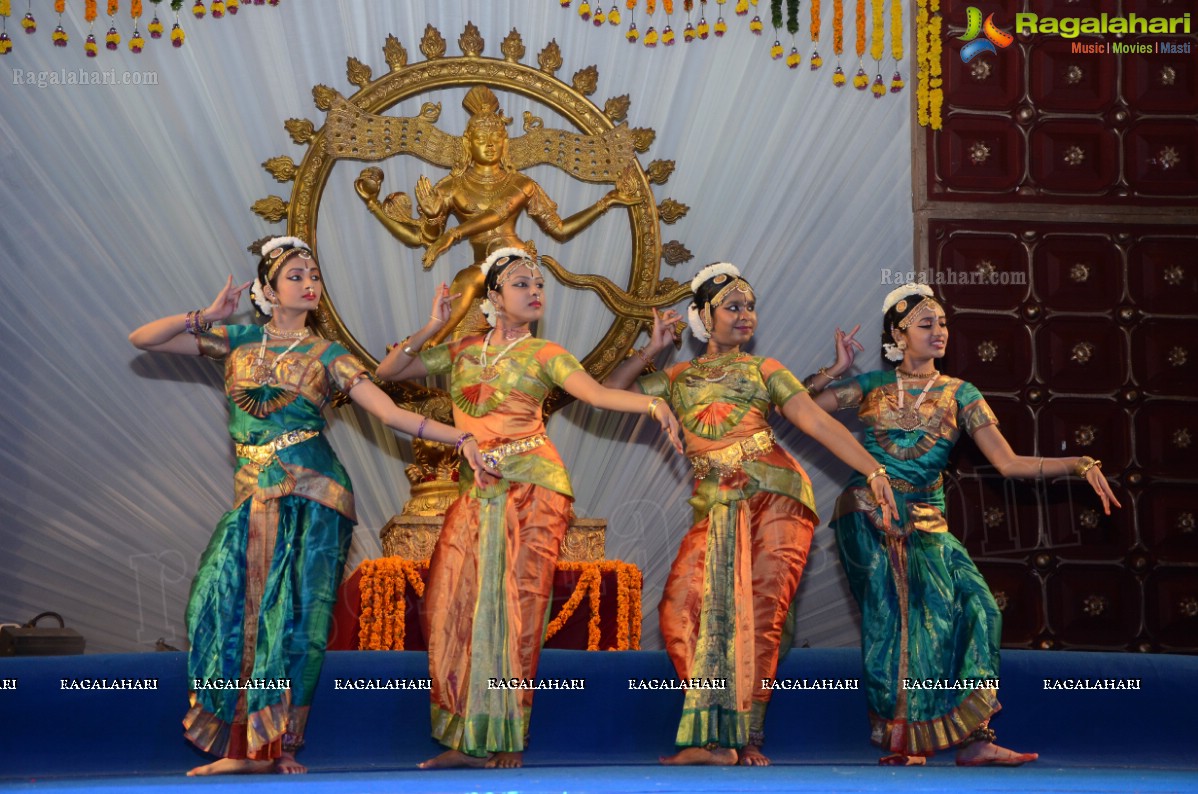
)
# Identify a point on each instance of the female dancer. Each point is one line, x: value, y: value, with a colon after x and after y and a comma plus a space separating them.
x: 261, y: 602
x: 926, y: 612
x: 491, y: 575
x: 739, y: 566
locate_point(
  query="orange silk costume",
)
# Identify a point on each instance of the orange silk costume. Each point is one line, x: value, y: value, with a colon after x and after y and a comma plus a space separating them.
x: 731, y: 585
x: 491, y: 575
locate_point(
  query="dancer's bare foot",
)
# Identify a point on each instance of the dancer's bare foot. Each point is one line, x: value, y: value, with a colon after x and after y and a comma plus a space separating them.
x: 505, y: 761
x: 701, y: 756
x: 990, y: 754
x: 287, y: 765
x: 751, y: 755
x: 233, y: 766
x: 453, y: 759
x: 898, y: 759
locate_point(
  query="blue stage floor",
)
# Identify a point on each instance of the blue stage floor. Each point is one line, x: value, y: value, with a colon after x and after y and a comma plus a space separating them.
x: 810, y: 779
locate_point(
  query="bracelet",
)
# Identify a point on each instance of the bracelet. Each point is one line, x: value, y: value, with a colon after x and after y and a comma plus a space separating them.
x: 640, y: 352
x: 194, y: 323
x: 462, y: 439
x: 406, y: 348
x: 1040, y: 471
x: 656, y: 401
x: 809, y: 381
x: 1084, y: 464
x: 878, y: 472
x: 436, y: 319
x: 420, y: 430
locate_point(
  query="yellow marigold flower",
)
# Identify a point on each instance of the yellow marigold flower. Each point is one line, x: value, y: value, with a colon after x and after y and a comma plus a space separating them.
x: 136, y: 42
x: 198, y: 10
x: 177, y: 35
x: 756, y: 25
x: 816, y: 61
x: 838, y: 78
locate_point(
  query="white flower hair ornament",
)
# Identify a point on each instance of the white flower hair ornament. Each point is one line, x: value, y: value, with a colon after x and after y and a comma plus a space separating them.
x: 277, y: 242
x: 504, y: 253
x: 906, y: 291
x: 892, y: 352
x: 258, y: 294
x: 695, y: 321
x: 713, y: 270
x: 488, y: 310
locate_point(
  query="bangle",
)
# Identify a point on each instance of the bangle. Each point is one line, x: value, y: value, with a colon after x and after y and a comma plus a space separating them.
x: 462, y: 439
x: 1040, y: 470
x: 406, y: 348
x: 878, y: 472
x: 420, y: 430
x: 1084, y: 464
x: 809, y: 381
x: 656, y: 401
x: 435, y: 319
x: 640, y: 352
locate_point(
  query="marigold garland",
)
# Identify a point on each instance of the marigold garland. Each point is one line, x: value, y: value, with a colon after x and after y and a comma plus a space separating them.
x: 860, y: 29
x: 877, y: 44
x: 838, y: 27
x: 384, y: 582
x: 60, y: 6
x: 112, y: 7
x: 815, y: 20
x: 89, y: 11
x: 896, y: 30
x: 6, y: 8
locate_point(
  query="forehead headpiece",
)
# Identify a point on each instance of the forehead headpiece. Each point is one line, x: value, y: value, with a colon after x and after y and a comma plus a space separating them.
x: 276, y: 250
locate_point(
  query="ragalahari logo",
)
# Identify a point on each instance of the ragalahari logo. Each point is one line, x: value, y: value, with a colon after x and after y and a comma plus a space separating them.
x: 974, y: 27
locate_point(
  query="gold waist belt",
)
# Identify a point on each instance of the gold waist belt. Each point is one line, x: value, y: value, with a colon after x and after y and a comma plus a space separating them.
x: 495, y: 455
x: 729, y: 459
x: 909, y: 487
x: 260, y: 455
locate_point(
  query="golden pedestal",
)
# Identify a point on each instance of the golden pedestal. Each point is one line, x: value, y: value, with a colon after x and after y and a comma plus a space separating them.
x: 413, y: 537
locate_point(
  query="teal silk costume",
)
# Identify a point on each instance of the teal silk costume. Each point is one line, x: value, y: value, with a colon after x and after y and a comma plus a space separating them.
x: 926, y: 612
x: 262, y: 599
x: 729, y: 590
x: 491, y: 575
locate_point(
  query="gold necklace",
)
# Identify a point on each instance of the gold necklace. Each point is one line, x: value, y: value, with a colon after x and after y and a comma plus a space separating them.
x: 905, y: 373
x: 713, y: 374
x: 279, y: 333
x: 264, y: 373
x: 490, y: 371
x: 487, y: 187
x: 909, y: 418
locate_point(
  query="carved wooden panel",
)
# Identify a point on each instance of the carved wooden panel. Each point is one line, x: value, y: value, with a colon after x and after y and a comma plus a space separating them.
x: 1037, y: 121
x: 1095, y: 352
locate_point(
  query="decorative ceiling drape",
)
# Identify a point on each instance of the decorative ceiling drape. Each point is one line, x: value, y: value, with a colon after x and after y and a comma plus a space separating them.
x: 126, y: 201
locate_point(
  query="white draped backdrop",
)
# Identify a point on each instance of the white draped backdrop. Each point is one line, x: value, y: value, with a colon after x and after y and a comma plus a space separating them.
x: 122, y: 203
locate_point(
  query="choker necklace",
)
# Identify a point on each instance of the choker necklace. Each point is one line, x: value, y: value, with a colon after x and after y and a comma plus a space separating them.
x: 490, y: 370
x: 909, y: 418
x: 712, y: 374
x: 279, y: 333
x: 930, y: 374
x: 264, y: 373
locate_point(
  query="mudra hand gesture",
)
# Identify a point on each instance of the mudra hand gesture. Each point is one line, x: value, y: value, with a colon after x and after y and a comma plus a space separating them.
x: 225, y: 303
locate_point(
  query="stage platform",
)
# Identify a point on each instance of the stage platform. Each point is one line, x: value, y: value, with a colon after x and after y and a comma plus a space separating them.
x: 607, y: 736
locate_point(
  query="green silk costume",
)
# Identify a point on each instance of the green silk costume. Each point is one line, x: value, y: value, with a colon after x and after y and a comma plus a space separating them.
x: 262, y: 599
x: 926, y: 612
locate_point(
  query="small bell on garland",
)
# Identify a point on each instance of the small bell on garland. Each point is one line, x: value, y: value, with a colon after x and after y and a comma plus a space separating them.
x: 756, y: 26
x: 632, y: 34
x: 29, y: 23
x: 896, y: 82
x: 155, y: 28
x: 584, y: 10
x: 136, y: 42
x: 861, y: 80
x: 688, y: 33
x: 704, y: 29
x: 838, y: 78
x: 879, y: 88
x: 232, y: 6
x: 742, y: 7
x: 651, y: 37
x: 112, y: 39
x: 5, y: 43
x: 613, y: 17
x: 721, y: 27
x: 218, y: 9
x: 197, y: 10
x: 816, y: 61
x: 177, y: 35
x: 90, y: 47
x: 60, y: 37
x: 776, y: 50
x: 667, y: 36
x: 793, y: 59
x: 597, y: 19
